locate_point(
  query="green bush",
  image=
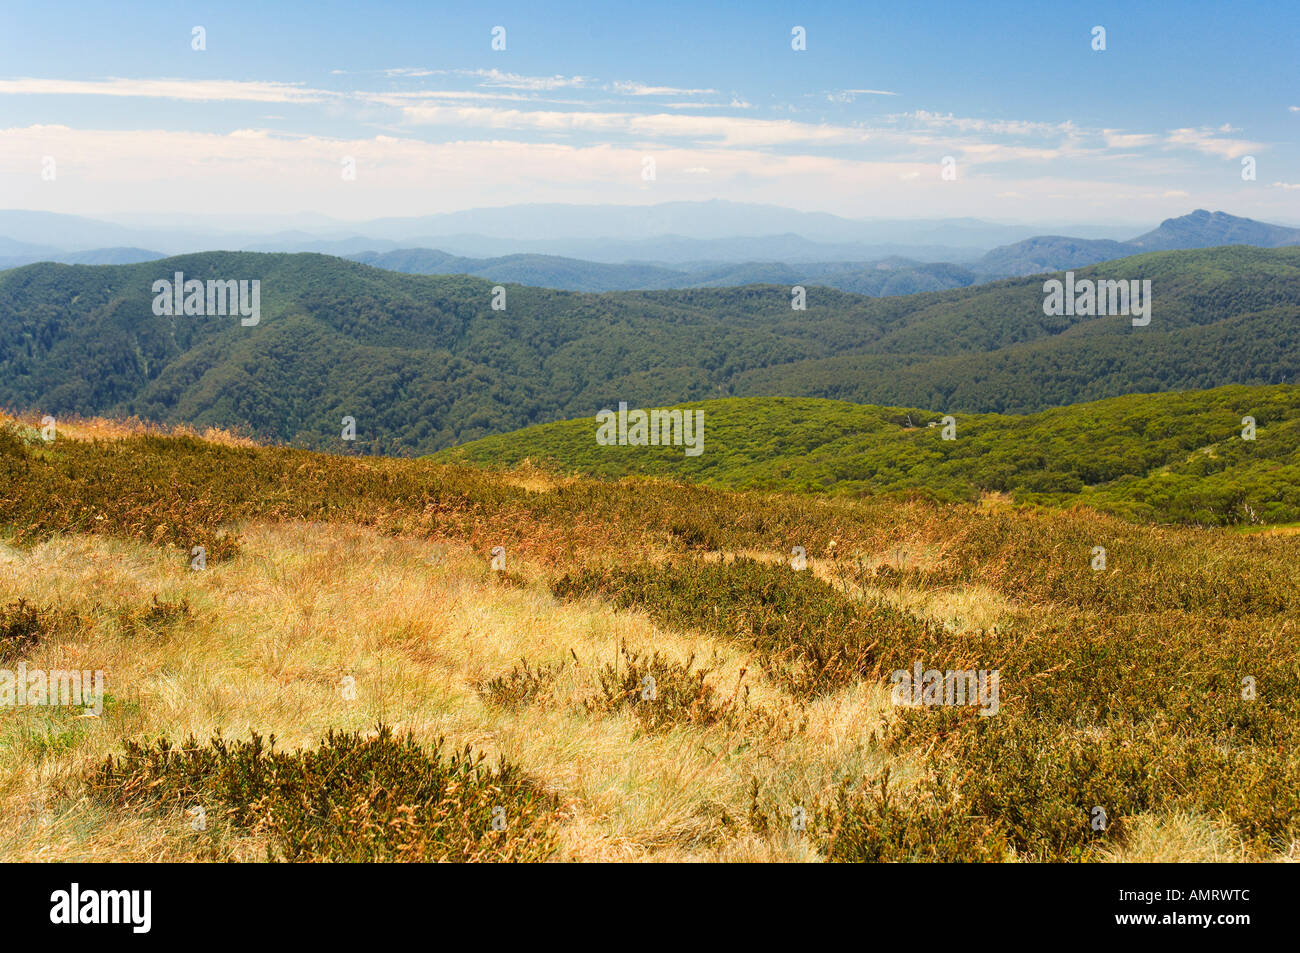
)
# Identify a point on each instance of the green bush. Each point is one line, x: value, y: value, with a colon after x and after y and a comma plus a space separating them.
x: 353, y: 798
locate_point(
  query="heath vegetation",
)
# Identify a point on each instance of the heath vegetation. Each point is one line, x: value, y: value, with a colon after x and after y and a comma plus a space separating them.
x: 657, y: 679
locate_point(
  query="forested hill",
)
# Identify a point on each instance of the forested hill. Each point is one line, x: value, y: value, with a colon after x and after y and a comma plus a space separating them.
x: 423, y: 362
x: 1176, y: 457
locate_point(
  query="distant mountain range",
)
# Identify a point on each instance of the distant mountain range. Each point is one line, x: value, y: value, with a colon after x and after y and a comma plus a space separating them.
x: 93, y: 256
x: 675, y: 261
x: 890, y: 276
x: 670, y: 233
x: 886, y: 277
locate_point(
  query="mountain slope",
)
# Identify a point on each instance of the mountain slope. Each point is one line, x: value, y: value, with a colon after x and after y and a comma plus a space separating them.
x: 1165, y: 457
x: 1049, y: 253
x: 1202, y: 229
x: 423, y: 362
x: 1198, y: 229
x: 891, y: 276
x: 543, y: 271
x: 93, y: 256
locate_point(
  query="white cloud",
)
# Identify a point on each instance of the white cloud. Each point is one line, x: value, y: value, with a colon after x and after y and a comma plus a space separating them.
x: 734, y: 104
x: 629, y: 88
x: 729, y: 130
x: 850, y: 95
x: 264, y: 172
x: 496, y: 78
x: 197, y: 90
x: 1009, y: 127
x: 1117, y: 139
x: 1205, y: 141
x: 500, y: 137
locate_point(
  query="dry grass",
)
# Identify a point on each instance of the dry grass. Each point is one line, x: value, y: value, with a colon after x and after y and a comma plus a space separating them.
x: 275, y: 632
x: 396, y: 594
x: 418, y: 627
x: 957, y: 608
x: 104, y: 428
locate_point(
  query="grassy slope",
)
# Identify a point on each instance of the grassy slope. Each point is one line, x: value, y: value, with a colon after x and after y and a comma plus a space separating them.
x: 1166, y: 457
x: 1120, y: 688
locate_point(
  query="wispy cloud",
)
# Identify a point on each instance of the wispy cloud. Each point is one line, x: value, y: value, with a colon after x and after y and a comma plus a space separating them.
x: 729, y: 130
x: 1118, y: 139
x: 734, y: 104
x: 1208, y: 141
x: 630, y: 88
x: 195, y: 90
x: 1007, y: 127
x: 494, y: 78
x: 850, y: 95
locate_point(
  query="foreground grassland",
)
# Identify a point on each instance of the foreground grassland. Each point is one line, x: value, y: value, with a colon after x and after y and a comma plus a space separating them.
x: 342, y: 594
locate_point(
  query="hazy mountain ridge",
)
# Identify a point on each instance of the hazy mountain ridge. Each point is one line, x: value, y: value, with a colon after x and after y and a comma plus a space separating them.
x: 1198, y: 229
x: 843, y: 253
x: 889, y: 276
x: 93, y: 256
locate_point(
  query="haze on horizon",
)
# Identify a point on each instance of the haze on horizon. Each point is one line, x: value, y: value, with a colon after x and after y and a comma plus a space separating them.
x: 267, y: 118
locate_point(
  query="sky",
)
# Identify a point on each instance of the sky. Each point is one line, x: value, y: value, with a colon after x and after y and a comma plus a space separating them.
x: 358, y: 111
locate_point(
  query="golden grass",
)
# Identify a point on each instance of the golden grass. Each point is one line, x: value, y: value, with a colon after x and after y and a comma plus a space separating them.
x: 958, y: 608
x: 420, y: 625
x: 275, y: 631
x: 1179, y: 838
x: 104, y: 428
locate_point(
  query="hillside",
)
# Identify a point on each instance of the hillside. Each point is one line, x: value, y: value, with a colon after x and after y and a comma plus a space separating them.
x: 543, y: 271
x: 413, y: 618
x: 1049, y: 253
x: 680, y: 233
x: 1162, y: 457
x: 891, y: 276
x: 94, y: 256
x: 424, y: 362
x: 1198, y: 229
x: 1202, y: 229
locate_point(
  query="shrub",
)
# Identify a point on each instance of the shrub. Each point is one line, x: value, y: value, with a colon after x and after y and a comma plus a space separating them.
x: 523, y: 684
x: 353, y: 798
x: 154, y: 617
x: 23, y: 625
x: 662, y: 693
x: 867, y: 822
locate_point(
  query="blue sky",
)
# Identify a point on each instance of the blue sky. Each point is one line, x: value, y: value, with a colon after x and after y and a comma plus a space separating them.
x: 1040, y: 126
